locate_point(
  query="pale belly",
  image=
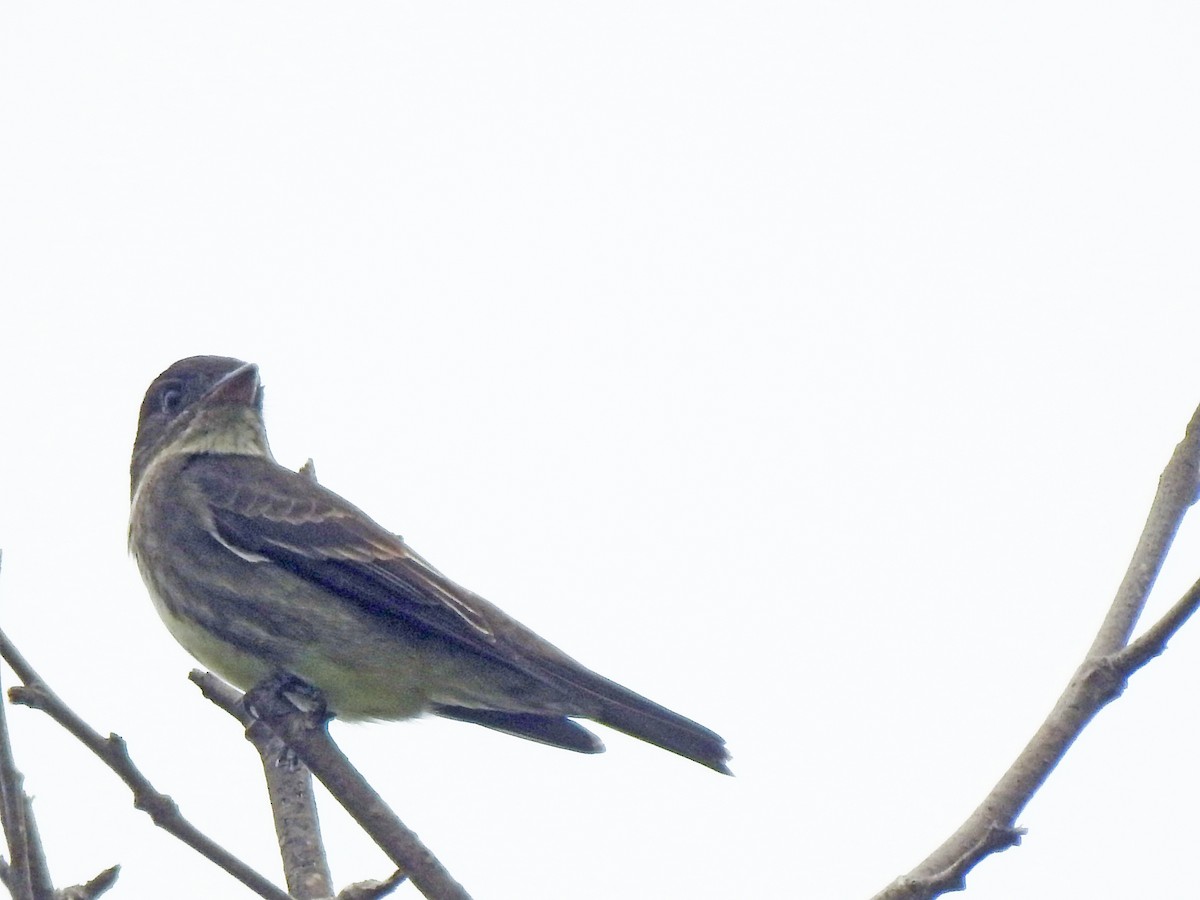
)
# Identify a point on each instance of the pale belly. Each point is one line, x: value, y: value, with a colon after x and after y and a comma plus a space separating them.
x: 365, y: 669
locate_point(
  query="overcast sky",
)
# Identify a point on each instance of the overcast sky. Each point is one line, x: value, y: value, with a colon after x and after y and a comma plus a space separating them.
x: 806, y: 367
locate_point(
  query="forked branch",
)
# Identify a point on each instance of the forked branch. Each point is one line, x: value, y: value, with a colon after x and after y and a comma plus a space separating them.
x: 1098, y: 680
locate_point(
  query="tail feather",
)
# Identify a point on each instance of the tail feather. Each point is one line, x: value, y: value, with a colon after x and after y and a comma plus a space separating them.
x: 650, y: 722
x: 616, y: 706
x: 557, y: 731
x: 634, y: 715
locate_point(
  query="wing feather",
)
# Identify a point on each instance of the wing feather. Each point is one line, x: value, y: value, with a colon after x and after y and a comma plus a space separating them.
x: 263, y: 511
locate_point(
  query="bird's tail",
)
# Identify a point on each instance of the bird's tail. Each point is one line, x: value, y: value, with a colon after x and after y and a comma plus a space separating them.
x: 646, y: 720
x: 595, y: 697
x: 609, y: 704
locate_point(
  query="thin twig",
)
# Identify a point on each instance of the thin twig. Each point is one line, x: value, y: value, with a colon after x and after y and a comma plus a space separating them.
x: 1177, y: 487
x: 29, y: 875
x: 1154, y: 640
x: 294, y: 808
x: 372, y: 890
x: 1100, y: 678
x: 19, y: 876
x: 93, y: 888
x: 293, y: 802
x: 113, y: 753
x: 229, y: 699
x: 308, y: 736
x: 39, y: 869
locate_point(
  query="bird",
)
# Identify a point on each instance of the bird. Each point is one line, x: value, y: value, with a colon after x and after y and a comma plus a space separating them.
x: 258, y: 571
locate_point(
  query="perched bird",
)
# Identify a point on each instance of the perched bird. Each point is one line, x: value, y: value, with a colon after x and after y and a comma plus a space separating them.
x: 259, y: 570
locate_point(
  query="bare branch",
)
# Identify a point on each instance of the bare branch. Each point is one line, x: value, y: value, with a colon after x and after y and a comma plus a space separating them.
x: 113, y: 753
x: 1154, y: 641
x: 372, y: 890
x: 1100, y: 678
x: 1177, y: 488
x: 293, y: 803
x: 306, y: 733
x: 39, y: 870
x: 294, y: 807
x: 19, y: 877
x: 29, y: 875
x: 93, y: 888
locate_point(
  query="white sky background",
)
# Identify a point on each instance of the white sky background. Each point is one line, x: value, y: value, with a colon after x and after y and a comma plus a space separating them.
x: 806, y: 367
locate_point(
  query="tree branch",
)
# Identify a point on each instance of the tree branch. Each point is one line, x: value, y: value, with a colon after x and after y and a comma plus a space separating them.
x: 91, y: 889
x: 113, y: 753
x: 1100, y: 678
x: 293, y: 804
x: 1177, y: 489
x: 27, y: 877
x: 307, y: 734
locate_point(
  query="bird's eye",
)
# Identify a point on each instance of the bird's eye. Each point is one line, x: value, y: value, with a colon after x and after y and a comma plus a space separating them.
x: 171, y: 399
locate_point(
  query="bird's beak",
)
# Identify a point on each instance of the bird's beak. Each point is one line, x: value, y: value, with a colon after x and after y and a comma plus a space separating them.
x: 240, y: 387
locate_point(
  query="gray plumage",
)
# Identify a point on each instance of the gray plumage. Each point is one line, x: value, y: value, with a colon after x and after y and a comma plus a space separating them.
x: 257, y: 569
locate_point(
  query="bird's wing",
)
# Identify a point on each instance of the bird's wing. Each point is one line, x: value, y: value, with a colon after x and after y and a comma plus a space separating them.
x: 261, y: 510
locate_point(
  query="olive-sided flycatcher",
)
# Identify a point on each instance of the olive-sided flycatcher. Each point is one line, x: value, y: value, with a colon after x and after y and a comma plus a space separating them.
x: 259, y: 570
